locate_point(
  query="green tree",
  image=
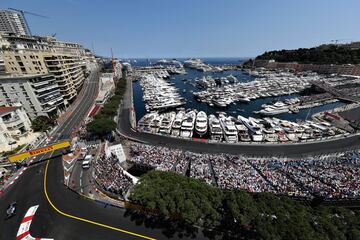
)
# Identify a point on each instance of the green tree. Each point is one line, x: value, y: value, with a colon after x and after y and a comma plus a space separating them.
x: 41, y: 124
x: 101, y: 125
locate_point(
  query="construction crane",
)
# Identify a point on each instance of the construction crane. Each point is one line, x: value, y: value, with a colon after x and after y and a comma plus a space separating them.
x: 23, y: 15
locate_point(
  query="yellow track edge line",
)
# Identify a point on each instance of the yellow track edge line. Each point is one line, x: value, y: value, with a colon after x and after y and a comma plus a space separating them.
x: 83, y: 219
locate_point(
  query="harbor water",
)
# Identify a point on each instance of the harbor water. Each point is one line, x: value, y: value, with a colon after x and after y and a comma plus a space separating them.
x: 186, y: 86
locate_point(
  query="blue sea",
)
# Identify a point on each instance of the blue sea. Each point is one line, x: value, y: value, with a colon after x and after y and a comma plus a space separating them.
x: 239, y: 108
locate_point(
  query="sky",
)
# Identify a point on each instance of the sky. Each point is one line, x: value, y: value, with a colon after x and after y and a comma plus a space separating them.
x: 193, y: 28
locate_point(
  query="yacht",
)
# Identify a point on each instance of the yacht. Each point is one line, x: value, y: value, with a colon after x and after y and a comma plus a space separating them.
x: 219, y: 102
x: 216, y: 132
x: 177, y: 123
x: 166, y: 123
x: 242, y: 131
x: 187, y: 126
x: 282, y: 137
x: 201, y: 123
x: 145, y: 121
x: 155, y: 124
x: 272, y: 110
x: 230, y: 131
x: 254, y: 128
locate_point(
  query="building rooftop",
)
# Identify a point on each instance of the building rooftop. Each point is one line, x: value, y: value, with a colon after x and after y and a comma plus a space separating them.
x: 4, y: 110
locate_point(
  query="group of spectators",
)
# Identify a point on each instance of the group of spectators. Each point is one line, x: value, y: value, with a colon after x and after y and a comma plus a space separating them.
x: 331, y: 176
x: 110, y: 175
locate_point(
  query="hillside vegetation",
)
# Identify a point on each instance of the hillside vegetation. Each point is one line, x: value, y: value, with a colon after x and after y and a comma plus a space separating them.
x: 326, y: 54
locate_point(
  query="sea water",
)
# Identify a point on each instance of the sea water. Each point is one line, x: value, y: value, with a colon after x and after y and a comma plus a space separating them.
x: 238, y: 108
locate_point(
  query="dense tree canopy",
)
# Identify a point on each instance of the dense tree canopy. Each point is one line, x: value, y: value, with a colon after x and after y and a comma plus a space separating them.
x: 103, y: 123
x: 326, y: 54
x: 41, y: 124
x: 245, y: 215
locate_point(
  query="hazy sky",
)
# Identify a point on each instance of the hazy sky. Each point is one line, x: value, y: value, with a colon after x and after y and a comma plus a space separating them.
x: 199, y: 28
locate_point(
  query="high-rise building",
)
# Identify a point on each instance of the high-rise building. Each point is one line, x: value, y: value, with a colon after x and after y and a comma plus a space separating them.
x: 13, y: 22
x: 68, y: 62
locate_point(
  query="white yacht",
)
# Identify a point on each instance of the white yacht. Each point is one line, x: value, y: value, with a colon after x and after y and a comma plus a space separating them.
x: 216, y: 132
x: 177, y: 123
x: 187, y: 126
x: 230, y: 131
x: 272, y: 110
x: 242, y: 131
x: 254, y: 128
x: 155, y: 124
x: 166, y: 123
x: 145, y: 121
x: 201, y: 123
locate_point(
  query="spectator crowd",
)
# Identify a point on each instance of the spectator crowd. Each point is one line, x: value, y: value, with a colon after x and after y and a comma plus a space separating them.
x: 332, y: 176
x: 110, y: 175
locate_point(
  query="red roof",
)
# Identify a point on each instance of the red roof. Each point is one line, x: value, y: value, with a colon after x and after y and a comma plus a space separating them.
x: 94, y: 110
x: 7, y: 109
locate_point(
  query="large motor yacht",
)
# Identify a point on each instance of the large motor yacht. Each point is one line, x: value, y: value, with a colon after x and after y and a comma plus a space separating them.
x: 177, y: 123
x: 230, y: 131
x: 187, y: 126
x: 166, y: 123
x: 201, y: 124
x: 216, y: 132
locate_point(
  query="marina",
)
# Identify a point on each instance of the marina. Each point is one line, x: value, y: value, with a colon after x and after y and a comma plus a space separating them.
x: 190, y: 123
x: 234, y: 106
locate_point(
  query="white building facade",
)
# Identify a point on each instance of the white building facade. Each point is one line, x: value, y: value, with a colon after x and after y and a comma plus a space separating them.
x: 14, y: 123
x: 39, y: 94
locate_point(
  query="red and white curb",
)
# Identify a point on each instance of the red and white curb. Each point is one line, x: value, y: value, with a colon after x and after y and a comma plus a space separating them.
x: 24, y: 229
x: 17, y: 175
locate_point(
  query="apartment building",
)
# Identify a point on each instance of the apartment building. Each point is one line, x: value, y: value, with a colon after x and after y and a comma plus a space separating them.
x: 38, y: 94
x: 14, y: 123
x: 24, y: 62
x: 69, y: 74
x: 13, y: 22
x: 68, y: 62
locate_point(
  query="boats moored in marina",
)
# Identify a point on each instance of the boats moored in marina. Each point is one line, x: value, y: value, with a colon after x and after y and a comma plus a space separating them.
x: 188, y: 124
x: 158, y: 94
x: 166, y: 123
x: 201, y: 123
x: 229, y: 129
x: 216, y: 132
x: 185, y: 123
x: 177, y: 123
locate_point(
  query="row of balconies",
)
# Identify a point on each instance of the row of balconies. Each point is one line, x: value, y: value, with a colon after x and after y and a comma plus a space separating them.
x: 11, y: 119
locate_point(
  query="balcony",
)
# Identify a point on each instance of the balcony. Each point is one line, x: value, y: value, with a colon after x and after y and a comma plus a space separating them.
x: 11, y: 120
